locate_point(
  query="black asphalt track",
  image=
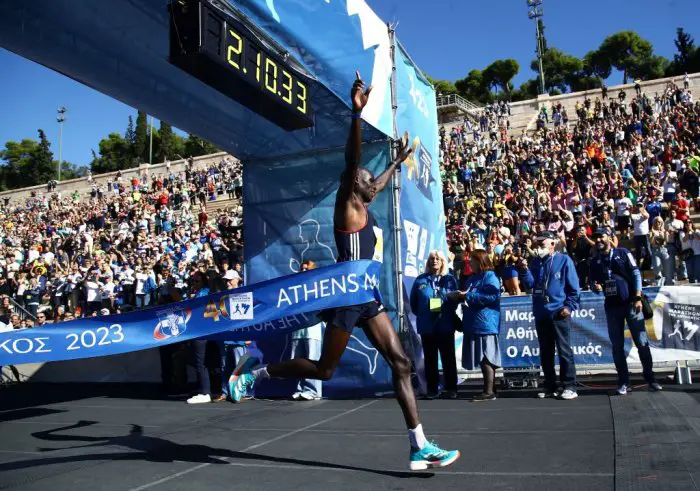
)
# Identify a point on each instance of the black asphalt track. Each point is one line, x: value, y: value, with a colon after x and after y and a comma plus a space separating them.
x: 127, y: 437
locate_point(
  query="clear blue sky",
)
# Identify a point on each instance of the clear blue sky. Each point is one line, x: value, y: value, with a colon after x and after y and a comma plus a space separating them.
x: 446, y: 39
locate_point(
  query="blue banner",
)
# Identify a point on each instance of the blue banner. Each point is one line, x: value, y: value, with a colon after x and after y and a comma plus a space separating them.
x: 671, y: 332
x: 332, y: 40
x: 288, y: 220
x: 422, y: 213
x: 589, y: 333
x: 258, y: 311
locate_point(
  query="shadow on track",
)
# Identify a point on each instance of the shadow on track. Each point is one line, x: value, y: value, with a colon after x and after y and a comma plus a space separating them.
x: 155, y: 449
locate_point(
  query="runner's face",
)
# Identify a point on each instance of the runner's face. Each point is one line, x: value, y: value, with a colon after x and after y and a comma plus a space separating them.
x: 364, y: 186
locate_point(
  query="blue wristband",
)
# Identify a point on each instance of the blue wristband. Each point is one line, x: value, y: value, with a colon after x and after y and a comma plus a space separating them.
x: 356, y: 116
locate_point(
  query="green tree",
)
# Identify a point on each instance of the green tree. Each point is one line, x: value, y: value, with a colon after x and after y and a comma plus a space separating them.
x: 500, y: 73
x: 71, y: 171
x: 15, y: 158
x: 40, y: 168
x: 166, y: 143
x: 687, y: 59
x: 443, y: 86
x: 141, y: 139
x: 196, y: 146
x: 474, y: 87
x: 130, y: 134
x: 559, y: 68
x: 686, y: 46
x: 527, y: 90
x: 579, y: 81
x: 114, y: 154
x: 596, y: 65
x: 625, y: 50
x: 649, y: 68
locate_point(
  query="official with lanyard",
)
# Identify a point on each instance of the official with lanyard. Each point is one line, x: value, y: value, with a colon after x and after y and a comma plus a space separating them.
x: 434, y: 321
x: 555, y: 296
x: 614, y: 273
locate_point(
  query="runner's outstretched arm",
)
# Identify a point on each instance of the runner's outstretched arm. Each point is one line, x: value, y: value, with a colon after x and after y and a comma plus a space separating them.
x: 384, y: 178
x: 353, y: 147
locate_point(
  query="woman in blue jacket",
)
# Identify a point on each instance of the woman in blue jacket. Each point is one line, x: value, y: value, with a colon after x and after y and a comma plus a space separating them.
x: 481, y: 316
x: 434, y: 315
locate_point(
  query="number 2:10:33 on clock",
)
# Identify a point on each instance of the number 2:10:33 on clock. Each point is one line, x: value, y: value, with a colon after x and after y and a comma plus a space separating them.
x: 260, y: 69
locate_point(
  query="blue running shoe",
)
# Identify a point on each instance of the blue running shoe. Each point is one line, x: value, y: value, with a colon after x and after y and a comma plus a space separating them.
x: 236, y: 390
x: 432, y: 456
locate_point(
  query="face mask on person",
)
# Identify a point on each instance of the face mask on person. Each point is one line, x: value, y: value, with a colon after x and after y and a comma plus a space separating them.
x: 542, y: 252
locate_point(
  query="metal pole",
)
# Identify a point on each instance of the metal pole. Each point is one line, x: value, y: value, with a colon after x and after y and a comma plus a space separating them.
x: 396, y: 189
x: 150, y: 147
x: 539, y: 54
x: 60, y: 148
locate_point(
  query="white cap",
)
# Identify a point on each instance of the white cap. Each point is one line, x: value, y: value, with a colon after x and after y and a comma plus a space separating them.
x: 232, y: 275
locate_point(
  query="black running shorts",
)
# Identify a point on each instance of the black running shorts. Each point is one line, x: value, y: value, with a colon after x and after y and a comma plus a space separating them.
x: 347, y: 318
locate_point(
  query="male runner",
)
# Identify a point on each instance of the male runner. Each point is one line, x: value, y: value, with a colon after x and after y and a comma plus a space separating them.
x: 355, y: 240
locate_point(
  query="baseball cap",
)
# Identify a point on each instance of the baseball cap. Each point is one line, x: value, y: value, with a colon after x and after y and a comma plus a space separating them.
x: 231, y: 275
x: 104, y: 312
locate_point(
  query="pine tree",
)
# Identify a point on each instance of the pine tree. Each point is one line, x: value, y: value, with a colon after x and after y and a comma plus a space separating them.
x: 141, y: 139
x: 686, y: 46
x: 130, y: 135
x: 40, y: 167
x: 165, y: 151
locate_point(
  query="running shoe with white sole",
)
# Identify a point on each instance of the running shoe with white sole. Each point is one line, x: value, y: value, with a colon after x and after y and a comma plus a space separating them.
x: 237, y: 391
x: 431, y: 456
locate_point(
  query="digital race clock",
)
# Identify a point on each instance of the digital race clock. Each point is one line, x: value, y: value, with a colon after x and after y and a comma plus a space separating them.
x: 222, y: 52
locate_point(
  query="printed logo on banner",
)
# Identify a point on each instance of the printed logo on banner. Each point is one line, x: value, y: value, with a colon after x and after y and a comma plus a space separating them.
x: 416, y: 248
x: 411, y: 263
x: 419, y: 166
x: 680, y: 326
x: 418, y: 97
x: 241, y: 306
x: 172, y: 323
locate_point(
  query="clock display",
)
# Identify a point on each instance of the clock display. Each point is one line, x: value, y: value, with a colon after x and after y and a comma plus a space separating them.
x: 222, y: 52
x: 261, y: 69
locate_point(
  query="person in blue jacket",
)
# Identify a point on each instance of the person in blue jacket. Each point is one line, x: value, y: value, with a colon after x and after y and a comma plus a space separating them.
x: 434, y: 320
x: 555, y: 296
x: 481, y: 318
x: 614, y: 273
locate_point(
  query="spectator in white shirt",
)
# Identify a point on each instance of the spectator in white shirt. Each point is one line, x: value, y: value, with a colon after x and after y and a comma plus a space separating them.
x: 640, y: 222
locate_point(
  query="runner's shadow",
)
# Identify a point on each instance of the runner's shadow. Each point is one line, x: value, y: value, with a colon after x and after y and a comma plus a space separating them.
x: 155, y: 449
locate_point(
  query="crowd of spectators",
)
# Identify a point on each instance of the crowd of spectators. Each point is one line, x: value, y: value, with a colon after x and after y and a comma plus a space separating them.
x: 626, y: 162
x: 121, y: 244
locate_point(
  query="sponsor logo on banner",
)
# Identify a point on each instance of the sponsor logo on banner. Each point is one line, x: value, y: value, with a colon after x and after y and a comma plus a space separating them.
x: 680, y: 327
x: 411, y: 263
x: 419, y: 167
x: 241, y: 306
x: 172, y: 323
x: 416, y: 248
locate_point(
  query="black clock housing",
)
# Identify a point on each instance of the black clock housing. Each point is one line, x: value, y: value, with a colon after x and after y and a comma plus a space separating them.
x: 222, y: 52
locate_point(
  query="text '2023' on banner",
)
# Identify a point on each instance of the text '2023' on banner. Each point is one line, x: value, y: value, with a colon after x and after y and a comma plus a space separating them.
x: 253, y: 312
